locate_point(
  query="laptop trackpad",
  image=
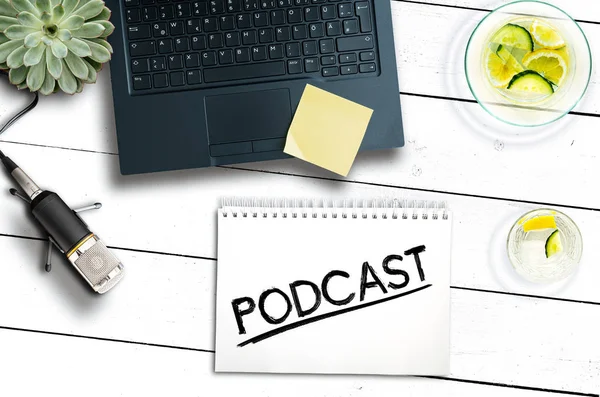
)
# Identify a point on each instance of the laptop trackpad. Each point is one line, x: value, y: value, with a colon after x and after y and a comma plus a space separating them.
x: 248, y: 116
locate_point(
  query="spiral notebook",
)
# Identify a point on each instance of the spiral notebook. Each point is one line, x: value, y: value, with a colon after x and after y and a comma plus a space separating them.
x: 348, y: 287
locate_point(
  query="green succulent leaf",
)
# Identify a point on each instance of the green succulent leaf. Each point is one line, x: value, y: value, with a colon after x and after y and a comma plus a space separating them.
x: 53, y: 64
x: 70, y: 6
x: 103, y: 43
x: 99, y: 53
x: 5, y: 22
x: 18, y: 75
x: 15, y: 59
x: 91, y: 9
x: 64, y: 35
x: 78, y: 47
x: 36, y: 75
x: 24, y: 5
x: 17, y: 32
x: 103, y: 16
x: 26, y: 18
x: 76, y: 66
x: 58, y: 12
x: 96, y: 65
x: 55, y: 2
x: 43, y: 5
x: 46, y: 40
x: 33, y: 39
x: 46, y: 17
x: 22, y: 86
x: 67, y: 82
x: 59, y: 49
x: 89, y: 30
x: 72, y: 23
x: 3, y: 38
x: 33, y: 56
x: 92, y: 74
x: 82, y: 3
x: 49, y: 84
x: 7, y: 9
x: 8, y: 47
x: 109, y: 28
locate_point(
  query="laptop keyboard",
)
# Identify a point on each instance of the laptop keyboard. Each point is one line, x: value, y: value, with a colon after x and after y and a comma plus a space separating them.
x: 175, y: 45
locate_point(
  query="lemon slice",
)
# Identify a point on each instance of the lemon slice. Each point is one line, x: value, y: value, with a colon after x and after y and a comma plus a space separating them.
x: 546, y: 36
x: 500, y: 71
x: 540, y: 223
x: 551, y: 64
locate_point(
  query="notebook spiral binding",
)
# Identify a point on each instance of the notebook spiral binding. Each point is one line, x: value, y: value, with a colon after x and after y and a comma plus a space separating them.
x: 347, y: 208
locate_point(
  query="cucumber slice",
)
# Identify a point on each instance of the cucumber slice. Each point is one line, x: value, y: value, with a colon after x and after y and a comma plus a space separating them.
x: 553, y: 244
x: 514, y: 36
x: 532, y: 82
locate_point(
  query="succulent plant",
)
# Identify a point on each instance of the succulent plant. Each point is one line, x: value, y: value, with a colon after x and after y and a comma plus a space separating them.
x: 52, y: 45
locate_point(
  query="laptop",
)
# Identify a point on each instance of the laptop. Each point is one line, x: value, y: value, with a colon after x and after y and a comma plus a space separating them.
x: 200, y: 83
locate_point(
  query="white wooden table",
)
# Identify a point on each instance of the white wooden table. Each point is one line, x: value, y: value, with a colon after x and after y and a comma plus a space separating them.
x: 153, y: 335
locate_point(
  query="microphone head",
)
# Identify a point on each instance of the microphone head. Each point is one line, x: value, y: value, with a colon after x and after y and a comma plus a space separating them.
x: 97, y: 264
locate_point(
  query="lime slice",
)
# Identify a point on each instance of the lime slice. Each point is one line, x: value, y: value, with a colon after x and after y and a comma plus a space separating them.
x: 554, y: 244
x: 540, y: 223
x: 551, y: 64
x: 514, y: 36
x: 499, y: 71
x: 546, y: 36
x: 531, y: 82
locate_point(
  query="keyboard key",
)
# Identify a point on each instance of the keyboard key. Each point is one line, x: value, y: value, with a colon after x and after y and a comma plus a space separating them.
x: 249, y: 71
x: 133, y: 16
x: 350, y: 26
x: 328, y: 60
x: 278, y: 17
x: 311, y: 65
x: 283, y: 33
x: 244, y: 21
x: 299, y: 32
x: 367, y: 56
x: 140, y: 66
x: 232, y: 39
x: 142, y: 48
x: 166, y: 12
x: 292, y: 50
x: 217, y: 6
x: 160, y: 80
x: 194, y: 77
x: 330, y: 72
x: 316, y: 30
x: 259, y: 53
x: 267, y: 4
x: 138, y: 32
x: 199, y: 43
x: 368, y: 68
x: 311, y: 14
x: 210, y: 24
x: 364, y: 15
x: 276, y: 51
x: 225, y: 57
x: 294, y: 66
x: 158, y: 63
x: 334, y: 28
x: 183, y: 10
x: 266, y: 35
x: 194, y: 26
x: 294, y: 15
x: 165, y: 46
x: 310, y: 48
x: 175, y: 61
x: 348, y: 58
x: 327, y: 46
x: 242, y: 55
x: 177, y: 79
x: 192, y: 60
x: 328, y: 12
x: 150, y: 14
x: 349, y: 69
x: 160, y: 29
x: 345, y: 10
x: 182, y: 44
x: 285, y: 3
x: 234, y: 5
x: 250, y: 5
x: 302, y: 2
x: 141, y: 82
x: 209, y: 58
x: 261, y: 19
x: 176, y: 28
x: 200, y: 8
x: 148, y: 2
x: 132, y: 3
x: 249, y: 37
x: 227, y: 22
x: 355, y: 43
x: 215, y: 40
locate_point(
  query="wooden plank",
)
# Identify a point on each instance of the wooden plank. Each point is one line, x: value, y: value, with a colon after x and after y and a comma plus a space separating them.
x: 176, y: 212
x: 584, y: 10
x: 46, y: 364
x: 170, y: 301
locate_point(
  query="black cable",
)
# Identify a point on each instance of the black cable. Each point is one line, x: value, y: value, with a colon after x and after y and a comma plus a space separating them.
x: 16, y: 117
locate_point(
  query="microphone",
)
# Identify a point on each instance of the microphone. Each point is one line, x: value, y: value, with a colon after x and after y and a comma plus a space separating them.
x: 99, y: 267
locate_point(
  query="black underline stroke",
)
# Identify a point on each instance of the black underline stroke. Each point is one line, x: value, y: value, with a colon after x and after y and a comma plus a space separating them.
x: 300, y: 323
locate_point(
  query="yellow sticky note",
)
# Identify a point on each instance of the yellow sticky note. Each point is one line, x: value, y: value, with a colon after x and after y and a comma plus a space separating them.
x: 327, y: 130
